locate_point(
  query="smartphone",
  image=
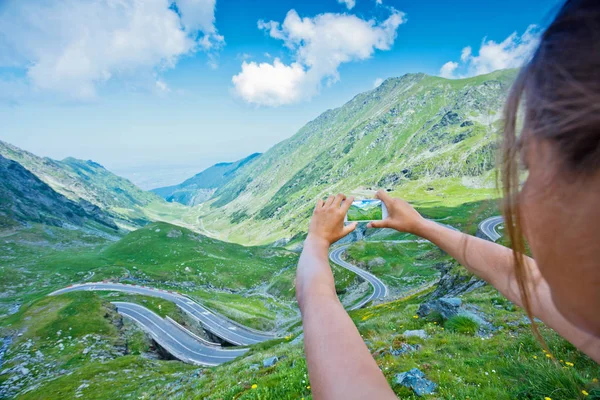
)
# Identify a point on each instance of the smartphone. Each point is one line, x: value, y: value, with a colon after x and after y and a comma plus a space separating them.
x: 366, y: 210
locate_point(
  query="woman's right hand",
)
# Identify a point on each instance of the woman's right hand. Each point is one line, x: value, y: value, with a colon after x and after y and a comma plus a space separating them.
x: 401, y: 215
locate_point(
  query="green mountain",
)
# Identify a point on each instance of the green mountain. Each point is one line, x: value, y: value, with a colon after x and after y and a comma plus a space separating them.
x: 201, y: 187
x: 413, y: 135
x: 87, y: 182
x: 25, y: 199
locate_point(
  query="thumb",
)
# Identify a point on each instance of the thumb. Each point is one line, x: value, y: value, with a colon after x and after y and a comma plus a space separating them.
x: 349, y: 228
x: 378, y: 224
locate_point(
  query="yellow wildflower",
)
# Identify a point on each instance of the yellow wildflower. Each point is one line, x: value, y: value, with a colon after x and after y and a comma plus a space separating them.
x: 308, y: 387
x: 585, y: 393
x: 254, y: 386
x: 535, y: 357
x: 570, y: 364
x: 548, y: 355
x: 595, y: 380
x: 435, y: 322
x: 415, y: 316
x: 547, y: 398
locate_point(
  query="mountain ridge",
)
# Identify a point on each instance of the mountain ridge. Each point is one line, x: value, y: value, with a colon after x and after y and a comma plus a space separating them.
x: 27, y: 199
x: 201, y: 186
x: 408, y: 130
x: 87, y: 182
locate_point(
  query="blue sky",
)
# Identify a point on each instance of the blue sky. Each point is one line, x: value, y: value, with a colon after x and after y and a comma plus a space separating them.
x: 150, y: 93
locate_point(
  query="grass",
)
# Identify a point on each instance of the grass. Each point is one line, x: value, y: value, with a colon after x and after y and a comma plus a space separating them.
x: 42, y: 259
x: 461, y: 324
x: 508, y: 365
x: 400, y: 265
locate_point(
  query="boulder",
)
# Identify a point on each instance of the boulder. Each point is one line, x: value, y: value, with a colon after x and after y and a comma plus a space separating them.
x: 448, y: 307
x: 404, y: 348
x: 415, y: 380
x: 418, y: 333
x: 269, y: 362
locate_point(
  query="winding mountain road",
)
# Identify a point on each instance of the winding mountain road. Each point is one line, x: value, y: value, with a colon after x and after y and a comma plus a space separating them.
x: 190, y: 348
x: 217, y: 324
x: 488, y: 227
x: 380, y: 290
x: 177, y: 340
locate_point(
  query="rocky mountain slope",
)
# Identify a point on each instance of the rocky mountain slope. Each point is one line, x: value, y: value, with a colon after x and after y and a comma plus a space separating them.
x: 413, y: 130
x: 88, y: 183
x: 201, y: 187
x: 25, y: 199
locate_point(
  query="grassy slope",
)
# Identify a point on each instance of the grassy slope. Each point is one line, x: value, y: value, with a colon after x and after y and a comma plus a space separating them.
x: 508, y: 365
x: 515, y: 365
x: 55, y: 333
x: 407, y: 135
x: 248, y: 284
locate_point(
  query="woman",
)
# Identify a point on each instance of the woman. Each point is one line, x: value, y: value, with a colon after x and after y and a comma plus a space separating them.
x: 557, y: 210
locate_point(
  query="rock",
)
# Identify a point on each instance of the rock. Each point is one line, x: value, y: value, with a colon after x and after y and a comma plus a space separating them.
x: 376, y: 262
x: 298, y: 339
x: 448, y: 307
x: 416, y: 333
x: 254, y: 367
x: 24, y: 371
x: 415, y: 380
x: 174, y: 233
x: 466, y: 123
x: 269, y: 362
x: 404, y: 348
x: 187, y: 269
x: 452, y: 284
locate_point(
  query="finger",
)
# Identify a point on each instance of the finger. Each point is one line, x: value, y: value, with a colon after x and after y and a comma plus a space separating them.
x: 320, y: 203
x: 329, y: 201
x: 383, y: 196
x: 349, y: 228
x: 347, y: 203
x: 378, y: 224
x: 338, y: 200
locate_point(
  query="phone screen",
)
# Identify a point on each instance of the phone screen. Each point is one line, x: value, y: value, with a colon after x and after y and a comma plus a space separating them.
x: 365, y: 210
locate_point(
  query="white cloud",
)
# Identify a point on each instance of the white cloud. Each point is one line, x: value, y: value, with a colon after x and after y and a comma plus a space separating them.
x: 319, y: 46
x: 377, y: 82
x: 162, y: 86
x: 349, y: 3
x: 380, y: 2
x: 447, y: 70
x: 73, y: 46
x: 271, y: 84
x: 512, y: 52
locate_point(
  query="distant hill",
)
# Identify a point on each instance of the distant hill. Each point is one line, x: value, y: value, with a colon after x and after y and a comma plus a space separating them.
x: 25, y: 199
x: 410, y: 135
x: 201, y: 187
x: 87, y: 182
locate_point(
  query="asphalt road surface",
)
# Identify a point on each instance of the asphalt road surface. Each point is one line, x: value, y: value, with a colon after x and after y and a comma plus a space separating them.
x: 379, y: 289
x: 488, y: 227
x: 216, y: 324
x: 178, y: 341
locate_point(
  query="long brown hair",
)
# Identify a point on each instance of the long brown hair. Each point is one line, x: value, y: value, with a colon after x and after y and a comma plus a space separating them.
x: 560, y: 87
